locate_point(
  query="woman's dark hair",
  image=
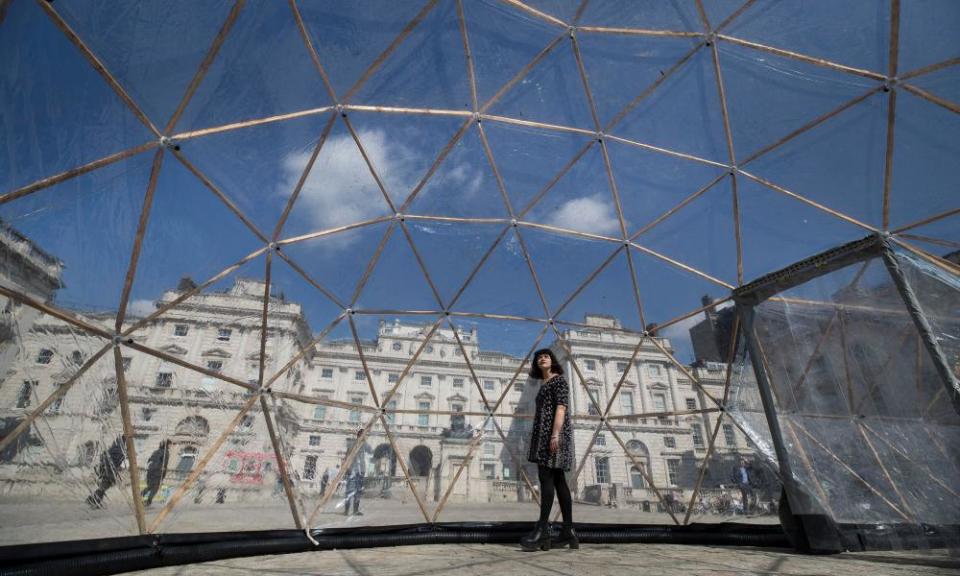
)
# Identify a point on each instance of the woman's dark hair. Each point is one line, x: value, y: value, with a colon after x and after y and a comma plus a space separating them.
x: 555, y: 366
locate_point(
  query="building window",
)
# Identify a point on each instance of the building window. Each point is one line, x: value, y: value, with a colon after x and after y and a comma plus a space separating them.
x: 426, y: 381
x: 602, y: 464
x: 457, y: 407
x: 391, y: 415
x: 626, y: 402
x: 622, y: 367
x: 392, y: 378
x: 601, y: 440
x: 697, y: 435
x: 215, y: 365
x: 490, y: 471
x: 355, y: 413
x: 314, y: 439
x: 397, y: 346
x: 673, y: 471
x: 691, y: 404
x: 359, y: 375
x: 310, y: 468
x: 146, y: 414
x: 125, y: 362
x: 55, y: 407
x: 180, y: 330
x: 669, y: 442
x: 518, y: 387
x: 45, y: 356
x: 592, y: 406
x: 728, y: 435
x: 164, y: 379
x: 319, y: 412
x: 637, y: 480
x: 653, y: 369
x: 429, y: 349
x: 326, y: 373
x: 223, y: 334
x: 659, y: 403
x: 76, y: 357
x: 590, y: 365
x: 489, y: 385
x: 458, y: 382
x: 423, y: 419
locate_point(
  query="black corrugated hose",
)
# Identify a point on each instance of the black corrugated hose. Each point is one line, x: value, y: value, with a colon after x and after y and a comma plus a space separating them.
x: 113, y: 555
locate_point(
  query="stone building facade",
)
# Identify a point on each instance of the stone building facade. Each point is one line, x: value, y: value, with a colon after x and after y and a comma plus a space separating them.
x: 438, y: 413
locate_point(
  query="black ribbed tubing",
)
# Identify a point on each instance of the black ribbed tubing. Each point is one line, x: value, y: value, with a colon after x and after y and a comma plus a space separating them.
x: 114, y: 555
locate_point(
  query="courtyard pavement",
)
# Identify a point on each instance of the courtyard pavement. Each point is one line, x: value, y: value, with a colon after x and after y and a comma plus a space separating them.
x: 590, y: 560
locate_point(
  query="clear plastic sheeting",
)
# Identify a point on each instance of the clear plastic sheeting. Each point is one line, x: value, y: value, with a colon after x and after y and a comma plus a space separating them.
x: 315, y: 244
x: 867, y: 418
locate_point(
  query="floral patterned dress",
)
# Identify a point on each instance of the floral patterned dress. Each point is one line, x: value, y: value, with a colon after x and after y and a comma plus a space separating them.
x: 554, y: 392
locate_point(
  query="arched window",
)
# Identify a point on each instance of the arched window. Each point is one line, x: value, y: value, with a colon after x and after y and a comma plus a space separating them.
x: 639, y: 460
x: 188, y: 457
x: 195, y: 426
x: 637, y: 480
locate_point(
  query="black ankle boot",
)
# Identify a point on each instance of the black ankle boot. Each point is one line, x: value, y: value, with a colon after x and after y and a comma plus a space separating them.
x: 539, y: 538
x: 568, y: 537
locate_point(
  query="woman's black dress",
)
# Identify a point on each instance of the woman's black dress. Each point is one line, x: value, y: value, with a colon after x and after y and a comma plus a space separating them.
x: 554, y: 392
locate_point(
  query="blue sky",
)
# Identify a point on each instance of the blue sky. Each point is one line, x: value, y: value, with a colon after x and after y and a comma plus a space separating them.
x: 57, y: 113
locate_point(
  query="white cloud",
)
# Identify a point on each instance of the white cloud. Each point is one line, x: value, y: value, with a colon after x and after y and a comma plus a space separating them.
x: 595, y: 214
x: 340, y: 189
x: 140, y: 308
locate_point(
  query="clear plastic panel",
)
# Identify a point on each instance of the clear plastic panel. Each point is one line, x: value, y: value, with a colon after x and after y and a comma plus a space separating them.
x: 128, y: 41
x: 77, y: 236
x: 609, y: 300
x: 581, y: 200
x: 564, y: 10
x: 398, y: 281
x: 921, y: 27
x: 508, y: 267
x: 452, y: 252
x: 65, y: 476
x: 778, y: 230
x: 638, y: 61
x: 257, y: 167
x: 551, y: 92
x: 924, y: 145
x: 503, y: 40
x: 701, y: 234
x: 769, y: 97
x: 428, y: 70
x: 530, y: 159
x: 402, y: 148
x: 263, y: 69
x: 942, y: 83
x: 464, y: 186
x: 647, y: 14
x: 838, y: 164
x: 58, y: 113
x: 683, y: 114
x: 852, y: 34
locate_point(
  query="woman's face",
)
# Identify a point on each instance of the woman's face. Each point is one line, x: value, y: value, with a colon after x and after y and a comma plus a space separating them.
x: 544, y: 363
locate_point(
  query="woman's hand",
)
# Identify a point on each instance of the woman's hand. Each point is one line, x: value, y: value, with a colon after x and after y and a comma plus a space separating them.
x: 554, y: 444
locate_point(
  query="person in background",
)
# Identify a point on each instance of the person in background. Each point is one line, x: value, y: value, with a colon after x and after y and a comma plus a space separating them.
x: 742, y: 476
x: 107, y: 471
x: 156, y: 470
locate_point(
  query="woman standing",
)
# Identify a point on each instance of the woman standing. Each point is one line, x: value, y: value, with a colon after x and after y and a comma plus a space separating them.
x: 551, y: 448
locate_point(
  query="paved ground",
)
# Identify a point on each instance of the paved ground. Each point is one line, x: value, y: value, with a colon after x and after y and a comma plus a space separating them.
x: 591, y: 560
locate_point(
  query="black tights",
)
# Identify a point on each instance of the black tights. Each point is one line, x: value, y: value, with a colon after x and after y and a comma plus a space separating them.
x: 553, y: 480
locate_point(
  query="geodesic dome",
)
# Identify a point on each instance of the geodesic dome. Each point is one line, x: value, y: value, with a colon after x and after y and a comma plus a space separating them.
x: 259, y: 257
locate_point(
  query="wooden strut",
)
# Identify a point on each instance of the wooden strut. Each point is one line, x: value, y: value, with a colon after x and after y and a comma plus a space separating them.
x: 667, y: 151
x: 731, y: 360
x: 303, y: 177
x: 636, y: 288
x: 647, y: 475
x: 427, y: 7
x: 371, y: 264
x: 498, y: 177
x: 680, y: 265
x: 477, y: 267
x: 462, y: 23
x: 535, y: 13
x: 138, y: 239
x: 678, y: 207
x: 520, y: 368
x: 533, y: 273
x: 583, y: 285
x: 932, y: 259
x: 803, y: 58
x: 436, y: 164
x: 942, y: 102
x: 906, y: 457
x: 846, y: 363
x: 280, y: 453
x: 929, y: 240
x: 569, y: 232
x: 855, y: 474
x: 891, y: 109
x: 314, y: 56
x: 181, y: 136
x: 205, y: 64
x: 903, y: 501
x: 363, y: 362
x: 201, y: 466
x: 366, y: 159
x: 422, y: 265
x: 97, y: 64
x: 184, y: 364
x: 58, y: 392
x: 332, y: 231
x: 54, y: 312
x: 907, y: 332
x: 264, y: 326
x: 77, y: 171
x: 303, y: 273
x: 128, y: 436
x: 930, y: 68
x: 304, y: 351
